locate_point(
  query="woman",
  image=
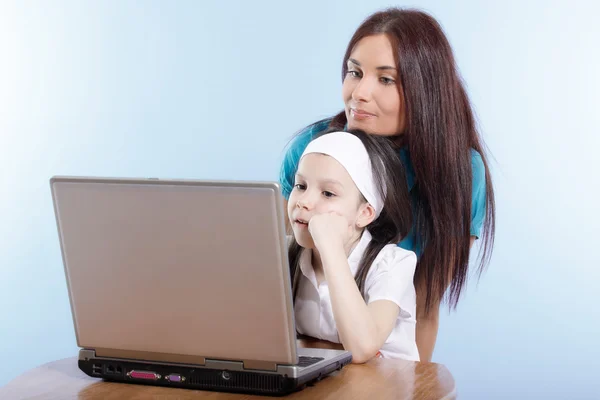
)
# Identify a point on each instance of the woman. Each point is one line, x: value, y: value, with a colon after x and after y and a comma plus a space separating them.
x: 400, y: 80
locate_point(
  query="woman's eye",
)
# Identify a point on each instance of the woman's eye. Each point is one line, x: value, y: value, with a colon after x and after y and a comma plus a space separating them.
x: 387, y: 81
x: 354, y: 74
x: 328, y: 194
x: 299, y: 186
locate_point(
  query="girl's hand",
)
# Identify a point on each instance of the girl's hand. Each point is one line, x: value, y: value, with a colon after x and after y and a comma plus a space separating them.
x: 329, y: 230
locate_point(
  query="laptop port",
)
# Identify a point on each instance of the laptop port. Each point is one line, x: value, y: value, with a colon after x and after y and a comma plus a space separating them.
x: 96, y: 369
x: 175, y: 378
x: 111, y: 369
x: 145, y: 375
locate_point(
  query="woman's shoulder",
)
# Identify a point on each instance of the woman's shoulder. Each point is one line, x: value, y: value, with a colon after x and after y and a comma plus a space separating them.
x: 318, y: 126
x: 294, y: 151
x: 477, y: 167
x: 306, y: 134
x: 298, y: 144
x: 476, y: 159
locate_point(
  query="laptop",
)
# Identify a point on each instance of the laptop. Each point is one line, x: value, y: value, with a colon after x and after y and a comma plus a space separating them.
x: 184, y: 284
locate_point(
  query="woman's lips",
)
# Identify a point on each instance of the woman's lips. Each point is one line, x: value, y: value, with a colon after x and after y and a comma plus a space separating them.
x: 360, y: 114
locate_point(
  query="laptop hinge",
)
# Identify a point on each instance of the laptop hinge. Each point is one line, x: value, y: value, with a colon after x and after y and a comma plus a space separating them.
x: 260, y: 365
x: 149, y: 356
x: 86, y: 354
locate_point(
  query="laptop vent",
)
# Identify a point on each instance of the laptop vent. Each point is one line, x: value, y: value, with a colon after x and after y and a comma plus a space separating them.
x: 308, y: 361
x: 237, y: 380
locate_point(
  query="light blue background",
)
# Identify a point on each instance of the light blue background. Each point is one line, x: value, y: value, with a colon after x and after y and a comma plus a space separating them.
x: 215, y: 89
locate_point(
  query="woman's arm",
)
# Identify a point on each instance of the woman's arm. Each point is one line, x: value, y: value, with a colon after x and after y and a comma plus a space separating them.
x: 428, y: 323
x: 427, y: 329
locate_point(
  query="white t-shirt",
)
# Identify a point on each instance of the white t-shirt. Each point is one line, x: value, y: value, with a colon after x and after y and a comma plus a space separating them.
x: 389, y: 278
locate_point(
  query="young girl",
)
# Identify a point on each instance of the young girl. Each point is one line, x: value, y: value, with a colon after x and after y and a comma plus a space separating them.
x: 351, y: 283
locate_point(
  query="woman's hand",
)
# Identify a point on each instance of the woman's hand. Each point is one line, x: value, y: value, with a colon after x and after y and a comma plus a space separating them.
x: 329, y: 230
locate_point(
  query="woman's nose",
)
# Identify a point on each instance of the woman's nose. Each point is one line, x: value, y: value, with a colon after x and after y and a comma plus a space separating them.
x: 363, y: 91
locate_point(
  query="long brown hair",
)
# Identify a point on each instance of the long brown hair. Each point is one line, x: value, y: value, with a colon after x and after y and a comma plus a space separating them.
x: 439, y: 134
x: 393, y: 223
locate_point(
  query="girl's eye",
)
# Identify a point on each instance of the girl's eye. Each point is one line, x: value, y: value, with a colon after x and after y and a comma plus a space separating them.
x: 387, y: 81
x: 328, y: 194
x: 299, y: 186
x: 354, y: 74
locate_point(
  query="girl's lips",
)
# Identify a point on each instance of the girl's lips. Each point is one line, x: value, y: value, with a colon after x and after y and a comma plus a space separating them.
x: 301, y: 224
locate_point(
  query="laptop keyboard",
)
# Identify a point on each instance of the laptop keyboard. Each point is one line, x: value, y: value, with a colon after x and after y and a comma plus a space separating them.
x: 308, y: 361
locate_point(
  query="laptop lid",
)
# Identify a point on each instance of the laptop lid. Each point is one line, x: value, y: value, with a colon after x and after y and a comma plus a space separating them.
x: 175, y: 270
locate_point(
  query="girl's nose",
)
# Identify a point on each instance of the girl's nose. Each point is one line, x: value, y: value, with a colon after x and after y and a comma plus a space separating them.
x: 305, y: 201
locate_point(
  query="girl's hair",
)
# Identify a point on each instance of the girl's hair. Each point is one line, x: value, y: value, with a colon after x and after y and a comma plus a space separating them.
x: 393, y: 223
x: 439, y: 134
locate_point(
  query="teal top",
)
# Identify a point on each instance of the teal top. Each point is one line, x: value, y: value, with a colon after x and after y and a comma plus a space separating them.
x: 296, y: 148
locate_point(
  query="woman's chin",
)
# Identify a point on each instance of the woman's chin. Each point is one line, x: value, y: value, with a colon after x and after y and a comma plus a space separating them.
x: 360, y: 125
x: 370, y: 128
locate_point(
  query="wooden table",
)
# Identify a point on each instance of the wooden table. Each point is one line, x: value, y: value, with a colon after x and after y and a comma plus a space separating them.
x: 379, y: 379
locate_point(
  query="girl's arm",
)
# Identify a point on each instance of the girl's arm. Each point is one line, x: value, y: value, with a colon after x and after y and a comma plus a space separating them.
x: 363, y: 329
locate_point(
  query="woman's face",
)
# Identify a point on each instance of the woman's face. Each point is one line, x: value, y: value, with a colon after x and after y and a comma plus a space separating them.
x: 372, y: 93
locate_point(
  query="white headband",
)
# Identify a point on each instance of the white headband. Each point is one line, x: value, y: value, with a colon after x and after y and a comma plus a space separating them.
x: 350, y: 151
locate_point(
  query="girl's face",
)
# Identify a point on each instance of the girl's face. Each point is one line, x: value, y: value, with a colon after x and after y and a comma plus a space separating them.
x: 371, y: 92
x: 322, y: 185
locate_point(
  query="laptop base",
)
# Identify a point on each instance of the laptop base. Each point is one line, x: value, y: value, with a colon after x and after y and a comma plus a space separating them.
x: 198, y: 378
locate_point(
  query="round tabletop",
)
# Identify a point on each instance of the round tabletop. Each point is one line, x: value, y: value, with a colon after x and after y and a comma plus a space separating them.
x: 378, y: 379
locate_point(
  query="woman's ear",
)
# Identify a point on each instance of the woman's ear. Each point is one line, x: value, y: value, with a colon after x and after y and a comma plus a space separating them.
x: 366, y: 215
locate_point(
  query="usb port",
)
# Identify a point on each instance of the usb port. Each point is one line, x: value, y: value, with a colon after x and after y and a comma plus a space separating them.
x: 97, y: 369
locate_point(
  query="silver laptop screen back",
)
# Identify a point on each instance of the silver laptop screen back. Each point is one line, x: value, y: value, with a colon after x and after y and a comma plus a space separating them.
x: 188, y: 268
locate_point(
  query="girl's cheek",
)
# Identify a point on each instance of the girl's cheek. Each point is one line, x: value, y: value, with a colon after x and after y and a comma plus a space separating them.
x: 335, y: 210
x: 326, y: 208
